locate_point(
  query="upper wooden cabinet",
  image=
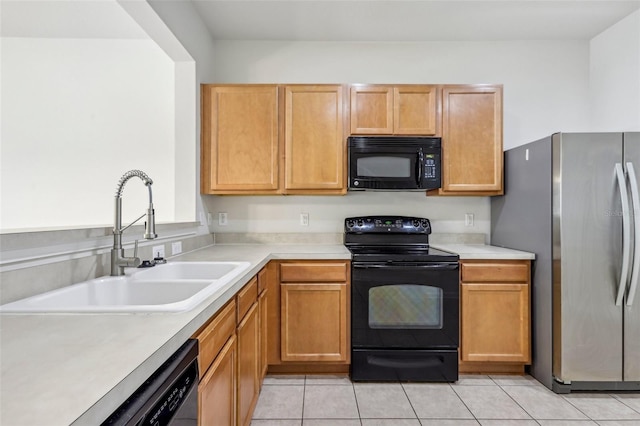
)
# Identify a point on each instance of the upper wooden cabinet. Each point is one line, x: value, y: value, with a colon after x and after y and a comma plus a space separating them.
x: 399, y: 109
x: 472, y: 154
x: 239, y: 139
x: 269, y: 139
x: 314, y: 139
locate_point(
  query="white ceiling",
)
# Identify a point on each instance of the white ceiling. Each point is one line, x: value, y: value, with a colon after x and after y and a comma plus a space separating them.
x: 331, y: 20
x: 416, y: 20
x: 67, y: 19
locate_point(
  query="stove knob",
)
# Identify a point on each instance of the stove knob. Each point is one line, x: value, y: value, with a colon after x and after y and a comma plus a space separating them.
x: 416, y: 223
x: 360, y: 222
x: 424, y: 224
x: 350, y: 223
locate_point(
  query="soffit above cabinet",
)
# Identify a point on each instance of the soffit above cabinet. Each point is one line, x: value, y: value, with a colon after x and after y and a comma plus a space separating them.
x: 416, y: 20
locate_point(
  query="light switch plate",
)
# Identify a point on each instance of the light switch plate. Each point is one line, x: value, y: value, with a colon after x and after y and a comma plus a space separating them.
x: 468, y: 219
x: 176, y: 247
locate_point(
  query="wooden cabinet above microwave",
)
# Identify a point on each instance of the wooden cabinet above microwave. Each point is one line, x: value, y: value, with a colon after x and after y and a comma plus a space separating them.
x: 407, y: 109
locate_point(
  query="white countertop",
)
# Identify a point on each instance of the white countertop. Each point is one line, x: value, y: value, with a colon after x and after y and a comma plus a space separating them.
x: 61, y: 369
x: 482, y: 251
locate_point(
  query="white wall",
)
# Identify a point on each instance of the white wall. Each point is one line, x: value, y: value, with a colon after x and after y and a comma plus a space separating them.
x: 545, y: 90
x: 545, y: 82
x: 76, y: 115
x: 185, y: 24
x: 615, y: 77
x: 327, y: 213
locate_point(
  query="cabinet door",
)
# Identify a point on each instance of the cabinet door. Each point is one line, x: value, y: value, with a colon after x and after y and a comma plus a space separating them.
x: 372, y: 110
x: 217, y: 389
x: 314, y: 322
x: 315, y: 142
x: 264, y: 319
x: 495, y: 322
x: 472, y: 140
x: 239, y: 139
x: 415, y: 110
x: 248, y: 365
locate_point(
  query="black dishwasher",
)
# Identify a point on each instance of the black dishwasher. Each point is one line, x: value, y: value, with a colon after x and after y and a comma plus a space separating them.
x: 168, y: 397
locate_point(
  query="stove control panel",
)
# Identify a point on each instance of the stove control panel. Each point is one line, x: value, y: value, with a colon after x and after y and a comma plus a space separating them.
x: 387, y: 224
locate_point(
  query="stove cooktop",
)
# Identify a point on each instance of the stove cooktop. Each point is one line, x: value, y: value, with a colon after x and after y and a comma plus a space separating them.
x: 400, y: 254
x: 392, y: 239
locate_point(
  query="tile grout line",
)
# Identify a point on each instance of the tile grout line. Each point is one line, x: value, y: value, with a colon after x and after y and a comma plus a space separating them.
x: 355, y: 397
x: 615, y: 396
x: 577, y: 408
x: 410, y: 403
x: 304, y: 392
x: 463, y: 403
x: 518, y: 404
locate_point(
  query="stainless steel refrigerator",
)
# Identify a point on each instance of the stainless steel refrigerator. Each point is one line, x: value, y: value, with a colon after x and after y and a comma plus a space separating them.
x: 573, y: 200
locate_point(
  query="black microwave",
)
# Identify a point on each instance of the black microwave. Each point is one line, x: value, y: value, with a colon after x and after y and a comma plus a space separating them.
x: 391, y: 163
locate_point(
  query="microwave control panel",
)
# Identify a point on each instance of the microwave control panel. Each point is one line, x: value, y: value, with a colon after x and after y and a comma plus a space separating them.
x: 430, y: 167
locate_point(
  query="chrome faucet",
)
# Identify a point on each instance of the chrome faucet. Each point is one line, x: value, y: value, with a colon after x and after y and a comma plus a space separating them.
x: 118, y: 259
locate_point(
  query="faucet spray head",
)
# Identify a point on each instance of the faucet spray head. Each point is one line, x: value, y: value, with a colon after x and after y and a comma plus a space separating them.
x: 150, y: 224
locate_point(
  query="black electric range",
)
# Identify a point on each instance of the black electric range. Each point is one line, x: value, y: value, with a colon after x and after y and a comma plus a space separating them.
x: 404, y: 301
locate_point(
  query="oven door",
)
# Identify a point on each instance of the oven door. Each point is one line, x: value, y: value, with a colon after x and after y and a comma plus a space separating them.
x: 404, y: 305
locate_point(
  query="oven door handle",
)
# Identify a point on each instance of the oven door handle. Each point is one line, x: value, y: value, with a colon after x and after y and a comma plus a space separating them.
x: 404, y: 265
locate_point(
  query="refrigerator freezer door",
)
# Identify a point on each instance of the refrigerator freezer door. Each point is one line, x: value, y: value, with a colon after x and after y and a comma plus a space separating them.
x: 586, y: 254
x: 632, y: 313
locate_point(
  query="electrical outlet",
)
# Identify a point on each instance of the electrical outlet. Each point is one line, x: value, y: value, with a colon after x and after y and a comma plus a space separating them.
x: 304, y: 219
x: 158, y: 251
x: 176, y: 247
x: 468, y: 219
x: 202, y: 222
x: 222, y: 219
x: 209, y: 218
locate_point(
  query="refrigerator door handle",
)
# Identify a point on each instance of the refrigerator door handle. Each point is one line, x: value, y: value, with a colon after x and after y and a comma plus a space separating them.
x: 635, y: 198
x: 626, y: 233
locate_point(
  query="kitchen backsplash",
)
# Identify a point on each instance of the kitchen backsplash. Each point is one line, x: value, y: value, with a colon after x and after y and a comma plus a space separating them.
x: 35, y: 262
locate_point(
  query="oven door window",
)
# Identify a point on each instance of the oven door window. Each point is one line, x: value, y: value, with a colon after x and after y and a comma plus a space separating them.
x: 405, y: 306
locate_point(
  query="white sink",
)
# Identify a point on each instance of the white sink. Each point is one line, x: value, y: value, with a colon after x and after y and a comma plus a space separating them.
x: 189, y: 271
x: 172, y: 287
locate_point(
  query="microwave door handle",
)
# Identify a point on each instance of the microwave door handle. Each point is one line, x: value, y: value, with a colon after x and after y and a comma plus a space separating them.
x: 419, y: 166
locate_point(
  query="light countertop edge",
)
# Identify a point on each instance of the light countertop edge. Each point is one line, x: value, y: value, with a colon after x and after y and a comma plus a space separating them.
x: 483, y: 251
x: 147, y: 339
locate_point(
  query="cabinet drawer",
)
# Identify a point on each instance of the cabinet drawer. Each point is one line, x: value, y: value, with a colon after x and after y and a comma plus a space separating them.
x: 262, y: 280
x: 495, y: 272
x: 213, y: 337
x: 314, y: 272
x: 247, y: 297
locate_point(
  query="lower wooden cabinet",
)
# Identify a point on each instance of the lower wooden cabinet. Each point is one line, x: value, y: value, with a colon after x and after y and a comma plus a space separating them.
x: 217, y: 389
x: 495, y: 314
x: 232, y: 358
x: 314, y: 322
x: 263, y: 307
x: 248, y: 364
x: 495, y: 320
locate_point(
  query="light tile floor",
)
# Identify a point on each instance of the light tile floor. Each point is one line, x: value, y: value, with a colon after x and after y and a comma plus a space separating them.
x: 473, y: 400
